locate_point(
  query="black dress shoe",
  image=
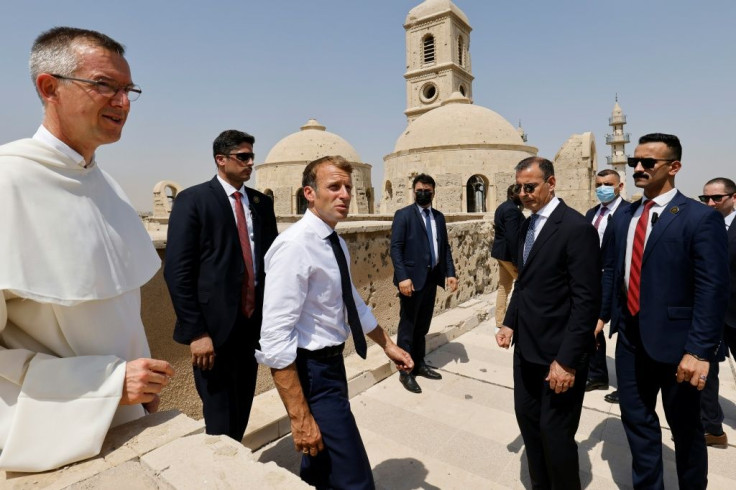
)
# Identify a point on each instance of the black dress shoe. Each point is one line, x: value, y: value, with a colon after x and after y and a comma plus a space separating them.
x: 427, y: 372
x: 594, y: 384
x: 410, y: 383
x: 612, y: 397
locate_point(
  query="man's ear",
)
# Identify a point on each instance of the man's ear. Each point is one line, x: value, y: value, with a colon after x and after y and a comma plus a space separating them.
x: 309, y: 193
x: 551, y: 181
x: 675, y: 167
x: 48, y: 87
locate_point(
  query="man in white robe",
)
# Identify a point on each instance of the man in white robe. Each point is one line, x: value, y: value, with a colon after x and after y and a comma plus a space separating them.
x: 74, y: 359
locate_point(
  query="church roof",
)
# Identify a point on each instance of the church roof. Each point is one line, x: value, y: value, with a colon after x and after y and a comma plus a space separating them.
x: 310, y: 143
x: 458, y: 122
x: 433, y: 7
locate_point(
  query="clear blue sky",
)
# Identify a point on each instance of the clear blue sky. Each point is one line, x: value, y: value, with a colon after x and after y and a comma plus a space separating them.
x: 267, y: 66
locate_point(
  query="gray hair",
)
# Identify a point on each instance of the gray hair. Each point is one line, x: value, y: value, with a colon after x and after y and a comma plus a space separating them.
x: 53, y: 51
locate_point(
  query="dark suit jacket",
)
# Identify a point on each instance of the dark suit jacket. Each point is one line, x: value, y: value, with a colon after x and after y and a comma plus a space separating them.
x: 204, y: 264
x: 506, y: 222
x: 556, y: 300
x: 731, y: 310
x: 684, y: 280
x: 591, y: 213
x: 410, y: 248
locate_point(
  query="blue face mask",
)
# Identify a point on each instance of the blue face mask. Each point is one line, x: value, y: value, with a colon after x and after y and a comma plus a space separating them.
x: 605, y: 193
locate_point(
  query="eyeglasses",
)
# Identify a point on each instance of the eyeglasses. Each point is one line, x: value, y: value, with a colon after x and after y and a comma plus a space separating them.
x: 243, y: 156
x: 528, y: 188
x: 107, y: 89
x: 647, y: 163
x: 715, y: 197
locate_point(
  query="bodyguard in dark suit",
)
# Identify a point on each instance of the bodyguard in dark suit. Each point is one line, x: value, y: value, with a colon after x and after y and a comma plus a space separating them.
x: 719, y: 194
x: 551, y: 317
x: 422, y: 259
x: 219, y: 232
x: 665, y: 288
x: 506, y: 223
x: 608, y: 188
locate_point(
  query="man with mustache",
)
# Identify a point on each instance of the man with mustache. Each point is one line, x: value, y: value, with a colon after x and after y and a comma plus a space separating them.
x: 74, y: 359
x: 665, y: 292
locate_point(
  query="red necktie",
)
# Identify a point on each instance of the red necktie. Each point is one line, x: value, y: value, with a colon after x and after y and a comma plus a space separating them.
x: 248, y: 302
x: 604, y: 210
x: 637, y: 250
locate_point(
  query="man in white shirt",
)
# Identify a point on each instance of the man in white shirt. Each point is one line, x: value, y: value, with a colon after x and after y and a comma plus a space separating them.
x: 309, y: 311
x: 719, y: 194
x: 74, y: 359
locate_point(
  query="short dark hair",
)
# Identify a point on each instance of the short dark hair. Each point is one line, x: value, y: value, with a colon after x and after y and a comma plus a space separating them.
x: 608, y: 171
x: 547, y: 167
x: 309, y: 176
x: 510, y: 194
x: 53, y: 50
x: 728, y: 185
x: 228, y: 140
x: 424, y: 179
x: 672, y: 142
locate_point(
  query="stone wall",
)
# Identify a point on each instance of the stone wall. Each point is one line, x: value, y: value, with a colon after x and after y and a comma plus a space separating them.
x: 368, y: 242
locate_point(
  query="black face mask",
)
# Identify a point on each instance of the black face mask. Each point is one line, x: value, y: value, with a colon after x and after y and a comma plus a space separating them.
x: 423, y: 197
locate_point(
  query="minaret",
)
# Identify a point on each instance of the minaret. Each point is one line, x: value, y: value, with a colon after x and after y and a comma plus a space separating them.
x: 521, y: 132
x: 437, y: 56
x: 617, y: 141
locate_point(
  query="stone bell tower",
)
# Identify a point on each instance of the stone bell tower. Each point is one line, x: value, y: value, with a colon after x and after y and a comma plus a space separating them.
x: 437, y: 56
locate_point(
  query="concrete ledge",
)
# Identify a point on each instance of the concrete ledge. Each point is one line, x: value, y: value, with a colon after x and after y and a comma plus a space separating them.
x: 269, y: 421
x: 124, y: 445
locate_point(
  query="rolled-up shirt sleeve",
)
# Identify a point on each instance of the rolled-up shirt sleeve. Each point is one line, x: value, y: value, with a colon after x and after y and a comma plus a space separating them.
x: 286, y: 288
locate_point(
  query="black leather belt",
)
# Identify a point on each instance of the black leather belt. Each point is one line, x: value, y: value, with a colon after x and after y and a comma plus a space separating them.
x: 323, y: 353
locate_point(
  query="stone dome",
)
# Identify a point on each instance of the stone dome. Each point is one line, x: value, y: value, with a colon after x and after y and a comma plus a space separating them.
x: 458, y: 122
x: 434, y: 7
x: 310, y: 143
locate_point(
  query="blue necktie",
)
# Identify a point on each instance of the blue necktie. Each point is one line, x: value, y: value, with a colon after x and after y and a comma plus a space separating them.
x: 529, y: 240
x: 430, y: 236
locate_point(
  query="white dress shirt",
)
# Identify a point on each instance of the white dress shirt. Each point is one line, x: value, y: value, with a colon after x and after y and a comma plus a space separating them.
x: 729, y: 219
x: 544, y: 213
x: 230, y: 190
x: 660, y: 203
x: 303, y: 305
x: 434, y: 231
x: 611, y: 208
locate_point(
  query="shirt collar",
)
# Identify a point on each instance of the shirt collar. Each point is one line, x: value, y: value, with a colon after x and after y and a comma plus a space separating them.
x: 546, y: 210
x: 230, y: 190
x: 729, y: 219
x: 45, y: 136
x: 421, y: 209
x: 322, y: 229
x: 662, y: 199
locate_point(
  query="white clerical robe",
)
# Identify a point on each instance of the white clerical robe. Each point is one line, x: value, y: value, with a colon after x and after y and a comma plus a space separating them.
x: 73, y: 255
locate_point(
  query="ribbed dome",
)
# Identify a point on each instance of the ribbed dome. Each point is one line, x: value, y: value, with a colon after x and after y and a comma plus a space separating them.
x: 310, y: 143
x: 432, y: 7
x: 457, y: 122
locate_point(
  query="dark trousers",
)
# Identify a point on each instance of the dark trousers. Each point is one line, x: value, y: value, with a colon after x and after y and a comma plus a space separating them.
x: 548, y: 424
x: 227, y: 390
x: 415, y: 317
x: 597, y: 368
x: 344, y: 463
x: 640, y: 379
x: 711, y: 413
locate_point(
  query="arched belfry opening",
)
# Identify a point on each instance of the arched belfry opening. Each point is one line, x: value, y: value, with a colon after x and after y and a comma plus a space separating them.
x: 477, y: 192
x: 301, y: 202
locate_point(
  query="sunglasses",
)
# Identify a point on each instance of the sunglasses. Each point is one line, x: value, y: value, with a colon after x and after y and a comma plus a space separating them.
x: 528, y: 188
x: 647, y: 163
x: 715, y: 197
x: 244, y: 156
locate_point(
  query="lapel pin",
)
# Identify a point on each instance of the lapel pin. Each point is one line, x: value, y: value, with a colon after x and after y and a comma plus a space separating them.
x: 674, y: 210
x: 256, y: 199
